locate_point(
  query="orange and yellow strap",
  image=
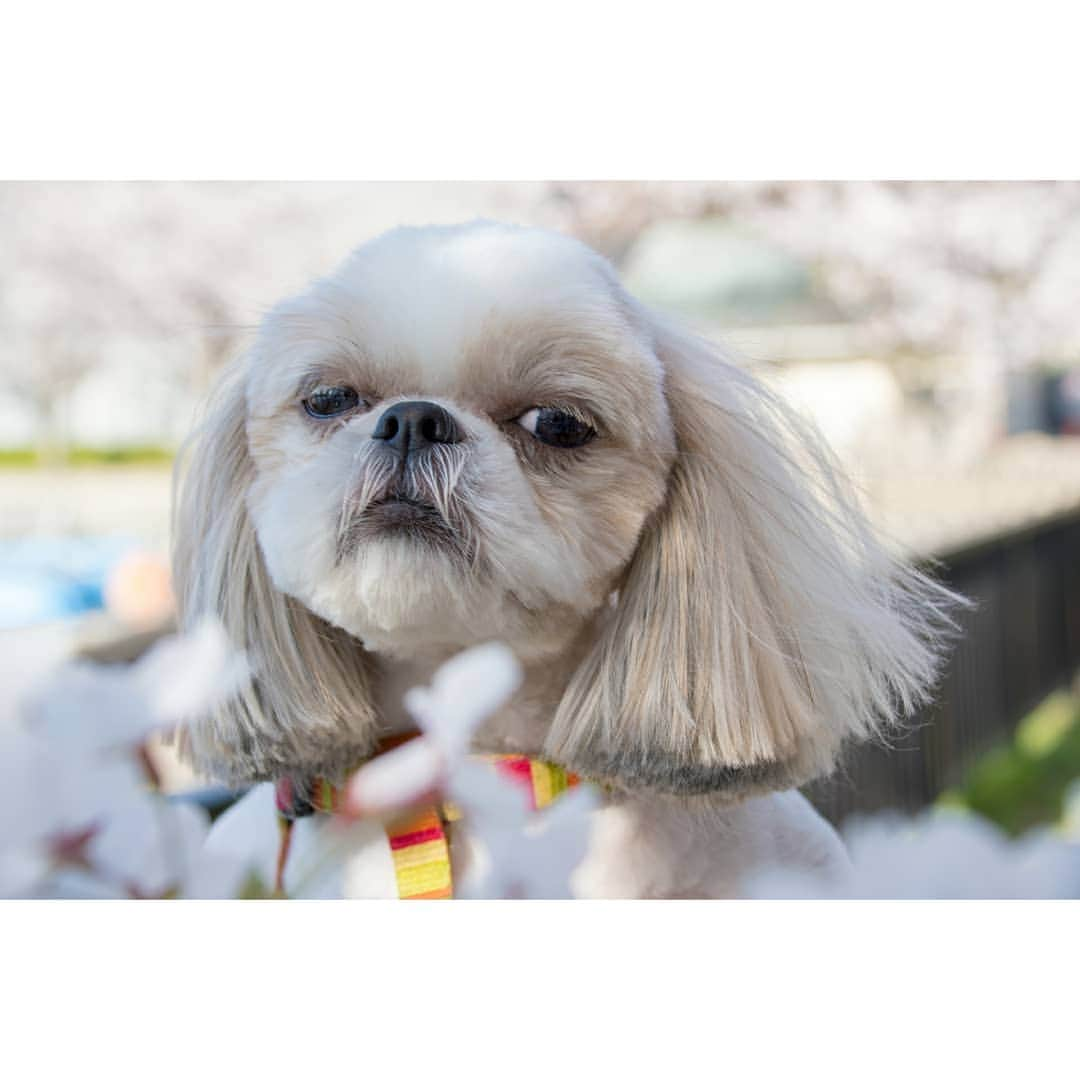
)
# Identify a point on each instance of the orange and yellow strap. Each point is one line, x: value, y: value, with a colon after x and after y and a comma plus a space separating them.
x: 419, y: 843
x: 420, y: 849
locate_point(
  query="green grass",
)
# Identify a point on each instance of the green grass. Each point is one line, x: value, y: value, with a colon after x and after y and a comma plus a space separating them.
x: 25, y: 457
x: 1023, y: 783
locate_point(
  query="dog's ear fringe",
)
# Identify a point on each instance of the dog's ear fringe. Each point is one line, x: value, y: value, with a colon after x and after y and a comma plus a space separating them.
x: 309, y: 708
x: 760, y: 623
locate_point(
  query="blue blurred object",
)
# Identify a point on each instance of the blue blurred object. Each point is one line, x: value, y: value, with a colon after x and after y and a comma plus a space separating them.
x: 46, y: 578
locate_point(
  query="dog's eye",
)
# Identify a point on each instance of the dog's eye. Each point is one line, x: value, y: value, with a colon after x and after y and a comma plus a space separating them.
x: 556, y: 427
x: 326, y: 401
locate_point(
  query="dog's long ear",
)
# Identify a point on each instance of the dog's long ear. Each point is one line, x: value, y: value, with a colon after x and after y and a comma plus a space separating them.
x: 308, y: 709
x: 760, y: 623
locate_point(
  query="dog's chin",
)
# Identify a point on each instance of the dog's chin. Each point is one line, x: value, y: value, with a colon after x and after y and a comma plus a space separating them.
x: 402, y: 586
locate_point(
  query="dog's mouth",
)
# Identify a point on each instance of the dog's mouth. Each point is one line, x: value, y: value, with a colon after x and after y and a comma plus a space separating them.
x: 398, y: 516
x: 402, y: 512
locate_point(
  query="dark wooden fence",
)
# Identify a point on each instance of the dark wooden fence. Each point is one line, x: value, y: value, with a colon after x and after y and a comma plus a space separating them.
x: 1020, y: 642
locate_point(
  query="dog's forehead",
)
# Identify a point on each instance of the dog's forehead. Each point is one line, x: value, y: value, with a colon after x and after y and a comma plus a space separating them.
x: 430, y: 296
x: 469, y: 268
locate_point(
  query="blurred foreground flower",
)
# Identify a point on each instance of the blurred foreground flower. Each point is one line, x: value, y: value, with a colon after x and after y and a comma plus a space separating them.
x: 940, y: 855
x: 516, y: 852
x: 113, y: 706
x: 80, y: 815
x: 464, y: 692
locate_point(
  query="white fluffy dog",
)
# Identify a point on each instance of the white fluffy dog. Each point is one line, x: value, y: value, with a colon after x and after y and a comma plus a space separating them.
x: 474, y: 433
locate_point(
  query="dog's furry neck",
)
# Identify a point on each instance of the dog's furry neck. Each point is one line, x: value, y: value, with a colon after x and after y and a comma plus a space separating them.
x: 520, y: 727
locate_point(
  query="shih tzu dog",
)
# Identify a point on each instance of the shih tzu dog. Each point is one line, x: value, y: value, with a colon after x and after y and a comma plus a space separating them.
x: 472, y: 434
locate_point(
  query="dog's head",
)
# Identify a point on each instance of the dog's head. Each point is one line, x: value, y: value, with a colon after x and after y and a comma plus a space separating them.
x: 473, y: 433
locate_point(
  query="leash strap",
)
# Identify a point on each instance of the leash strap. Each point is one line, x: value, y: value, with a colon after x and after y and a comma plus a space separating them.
x: 420, y: 848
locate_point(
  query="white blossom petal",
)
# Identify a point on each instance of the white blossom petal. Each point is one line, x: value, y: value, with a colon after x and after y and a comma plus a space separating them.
x: 150, y: 845
x: 464, y: 692
x: 75, y: 883
x: 41, y: 650
x: 246, y: 836
x: 524, y: 854
x: 396, y: 780
x: 185, y: 675
x: 23, y: 869
x: 100, y: 707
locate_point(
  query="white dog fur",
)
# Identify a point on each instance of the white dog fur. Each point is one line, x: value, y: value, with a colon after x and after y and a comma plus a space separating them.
x: 703, y: 616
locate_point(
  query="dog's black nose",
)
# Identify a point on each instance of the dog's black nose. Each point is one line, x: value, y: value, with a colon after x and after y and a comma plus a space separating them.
x: 412, y: 425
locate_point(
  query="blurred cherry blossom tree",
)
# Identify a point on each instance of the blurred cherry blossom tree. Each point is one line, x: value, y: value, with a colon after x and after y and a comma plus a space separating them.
x: 177, y: 268
x: 177, y: 273
x: 985, y: 276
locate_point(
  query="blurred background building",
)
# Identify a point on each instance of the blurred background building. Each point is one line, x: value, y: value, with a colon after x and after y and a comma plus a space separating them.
x: 932, y: 330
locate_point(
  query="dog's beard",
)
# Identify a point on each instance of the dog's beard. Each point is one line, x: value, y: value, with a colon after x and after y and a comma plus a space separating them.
x: 421, y: 501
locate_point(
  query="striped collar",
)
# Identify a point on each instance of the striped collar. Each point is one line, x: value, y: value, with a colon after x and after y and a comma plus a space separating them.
x: 419, y: 841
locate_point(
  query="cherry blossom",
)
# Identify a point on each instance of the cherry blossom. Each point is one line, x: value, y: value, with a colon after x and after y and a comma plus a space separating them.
x: 464, y: 692
x: 518, y: 853
x: 943, y: 854
x: 963, y: 282
x: 79, y: 812
x: 178, y: 678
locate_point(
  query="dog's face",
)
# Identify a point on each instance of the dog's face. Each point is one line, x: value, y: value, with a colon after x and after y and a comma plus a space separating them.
x: 457, y: 438
x: 473, y: 433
